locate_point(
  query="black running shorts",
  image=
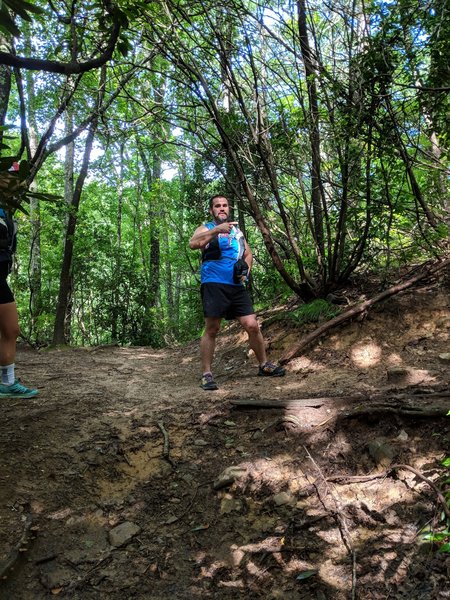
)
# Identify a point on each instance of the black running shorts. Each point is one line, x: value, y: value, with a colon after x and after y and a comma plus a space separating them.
x: 221, y: 300
x: 6, y: 295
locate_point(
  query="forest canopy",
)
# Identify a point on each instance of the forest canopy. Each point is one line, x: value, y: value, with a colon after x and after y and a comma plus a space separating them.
x: 326, y: 125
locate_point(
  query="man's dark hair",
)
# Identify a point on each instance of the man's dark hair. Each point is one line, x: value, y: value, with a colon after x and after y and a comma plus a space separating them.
x: 211, y: 200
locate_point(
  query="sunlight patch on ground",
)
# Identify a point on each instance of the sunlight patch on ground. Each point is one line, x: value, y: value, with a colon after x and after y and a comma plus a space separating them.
x: 187, y: 360
x: 394, y: 360
x: 136, y: 411
x: 366, y: 354
x: 302, y: 363
x: 141, y: 468
x: 416, y: 376
x: 334, y: 575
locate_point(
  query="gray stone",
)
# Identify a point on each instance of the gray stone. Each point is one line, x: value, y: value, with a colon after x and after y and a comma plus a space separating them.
x: 402, y: 436
x: 123, y: 533
x: 283, y: 498
x: 55, y: 576
x: 229, y: 476
x: 445, y: 357
x: 229, y: 504
x: 381, y: 452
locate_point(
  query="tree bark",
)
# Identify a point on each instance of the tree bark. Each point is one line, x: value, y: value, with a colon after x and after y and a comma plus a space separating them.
x: 59, y: 333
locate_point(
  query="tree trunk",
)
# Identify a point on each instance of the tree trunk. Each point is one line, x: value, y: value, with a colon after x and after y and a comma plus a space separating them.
x: 317, y: 194
x: 35, y: 268
x: 115, y: 282
x: 59, y: 332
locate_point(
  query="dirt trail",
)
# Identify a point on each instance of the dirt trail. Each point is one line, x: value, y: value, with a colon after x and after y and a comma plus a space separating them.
x: 110, y: 481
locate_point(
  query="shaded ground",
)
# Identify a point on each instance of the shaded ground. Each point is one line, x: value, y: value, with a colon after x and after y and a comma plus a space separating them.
x: 125, y: 437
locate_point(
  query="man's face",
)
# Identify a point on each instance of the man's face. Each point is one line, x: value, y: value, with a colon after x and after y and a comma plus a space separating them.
x: 220, y: 209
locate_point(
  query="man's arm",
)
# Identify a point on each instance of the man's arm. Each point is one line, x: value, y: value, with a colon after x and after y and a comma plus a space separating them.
x: 202, y: 235
x: 248, y: 256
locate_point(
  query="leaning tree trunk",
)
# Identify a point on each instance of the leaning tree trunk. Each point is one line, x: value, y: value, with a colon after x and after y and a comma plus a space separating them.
x: 35, y: 265
x: 59, y: 332
x: 314, y: 136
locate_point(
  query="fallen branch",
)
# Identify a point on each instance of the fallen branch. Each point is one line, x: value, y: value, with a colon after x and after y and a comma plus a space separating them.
x: 411, y: 402
x: 361, y: 308
x: 360, y: 479
x: 439, y: 409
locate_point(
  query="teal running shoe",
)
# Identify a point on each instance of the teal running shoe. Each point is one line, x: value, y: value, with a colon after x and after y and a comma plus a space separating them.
x: 17, y: 390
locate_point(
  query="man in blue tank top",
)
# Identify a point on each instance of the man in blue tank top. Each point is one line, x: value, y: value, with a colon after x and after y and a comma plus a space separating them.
x: 226, y: 264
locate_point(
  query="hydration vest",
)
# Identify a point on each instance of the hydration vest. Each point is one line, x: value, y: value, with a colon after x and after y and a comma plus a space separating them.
x: 8, y: 236
x: 213, y: 250
x: 220, y: 256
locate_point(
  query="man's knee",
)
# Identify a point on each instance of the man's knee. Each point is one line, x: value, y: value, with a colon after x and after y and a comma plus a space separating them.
x: 250, y: 325
x: 212, y: 329
x: 10, y: 331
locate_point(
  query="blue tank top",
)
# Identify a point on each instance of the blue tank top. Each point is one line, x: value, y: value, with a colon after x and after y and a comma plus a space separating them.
x: 231, y: 247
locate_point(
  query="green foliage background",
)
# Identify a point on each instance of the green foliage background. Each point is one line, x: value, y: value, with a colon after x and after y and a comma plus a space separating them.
x: 219, y: 101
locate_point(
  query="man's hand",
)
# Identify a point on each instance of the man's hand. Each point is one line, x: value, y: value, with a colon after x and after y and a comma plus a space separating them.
x: 225, y: 227
x: 241, y: 271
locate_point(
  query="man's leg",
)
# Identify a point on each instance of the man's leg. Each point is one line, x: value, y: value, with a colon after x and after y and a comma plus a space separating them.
x: 9, y: 330
x: 255, y: 338
x: 256, y: 343
x: 208, y: 342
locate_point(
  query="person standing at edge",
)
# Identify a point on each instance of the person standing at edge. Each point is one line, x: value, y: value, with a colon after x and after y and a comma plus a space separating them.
x: 9, y: 319
x: 226, y: 264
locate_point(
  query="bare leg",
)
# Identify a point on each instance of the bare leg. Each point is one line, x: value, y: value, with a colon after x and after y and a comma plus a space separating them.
x: 255, y: 338
x: 208, y: 342
x: 9, y: 330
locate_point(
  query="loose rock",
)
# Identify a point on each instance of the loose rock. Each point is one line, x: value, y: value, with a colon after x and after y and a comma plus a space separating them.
x: 123, y: 533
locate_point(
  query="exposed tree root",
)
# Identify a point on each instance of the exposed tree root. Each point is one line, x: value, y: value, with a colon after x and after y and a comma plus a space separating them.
x: 337, y: 512
x: 412, y: 402
x: 166, y: 447
x: 425, y: 271
x: 11, y: 560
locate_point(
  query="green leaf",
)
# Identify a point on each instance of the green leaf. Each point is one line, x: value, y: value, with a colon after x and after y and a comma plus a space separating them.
x: 21, y: 7
x: 123, y: 47
x: 445, y: 548
x: 446, y: 462
x: 43, y: 196
x: 7, y: 25
x: 306, y: 574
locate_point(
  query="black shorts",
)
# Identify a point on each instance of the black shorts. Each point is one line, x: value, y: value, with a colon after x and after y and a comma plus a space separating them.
x: 225, y: 301
x: 6, y: 295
